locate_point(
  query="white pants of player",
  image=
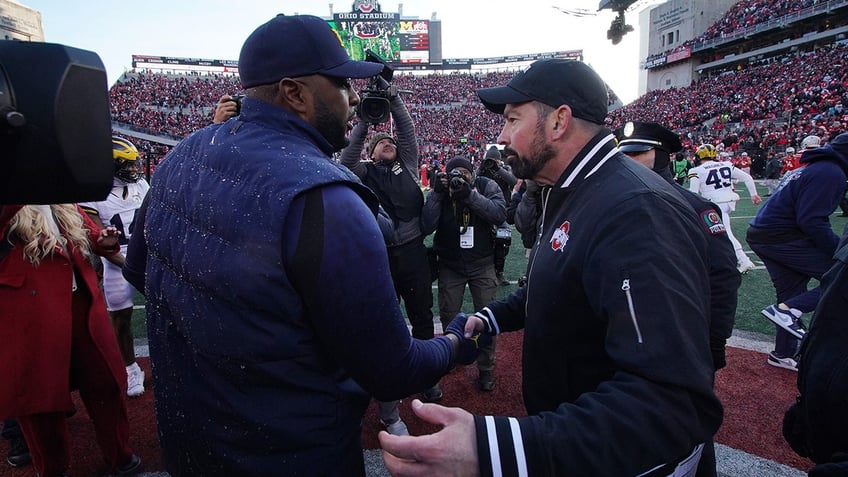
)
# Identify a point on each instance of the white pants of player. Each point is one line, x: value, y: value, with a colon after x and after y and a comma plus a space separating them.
x: 726, y: 209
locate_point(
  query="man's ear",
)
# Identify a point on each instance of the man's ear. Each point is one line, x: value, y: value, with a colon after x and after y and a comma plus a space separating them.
x: 561, y: 118
x: 296, y: 96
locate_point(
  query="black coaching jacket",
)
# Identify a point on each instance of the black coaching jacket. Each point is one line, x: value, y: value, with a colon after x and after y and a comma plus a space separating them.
x: 617, y: 373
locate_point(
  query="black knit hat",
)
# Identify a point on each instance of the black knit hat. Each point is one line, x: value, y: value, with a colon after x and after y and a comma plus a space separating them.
x: 377, y: 138
x: 459, y: 161
x: 493, y: 153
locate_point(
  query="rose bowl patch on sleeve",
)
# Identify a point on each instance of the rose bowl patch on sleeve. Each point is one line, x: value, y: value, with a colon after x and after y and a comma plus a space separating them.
x: 712, y: 221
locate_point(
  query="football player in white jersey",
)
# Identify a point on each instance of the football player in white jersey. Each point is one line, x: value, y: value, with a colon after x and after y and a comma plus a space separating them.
x: 714, y: 180
x: 118, y: 210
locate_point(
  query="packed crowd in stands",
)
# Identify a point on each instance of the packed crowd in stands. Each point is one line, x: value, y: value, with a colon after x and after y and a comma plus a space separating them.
x: 749, y: 13
x: 760, y: 109
x: 741, y: 16
x: 764, y: 108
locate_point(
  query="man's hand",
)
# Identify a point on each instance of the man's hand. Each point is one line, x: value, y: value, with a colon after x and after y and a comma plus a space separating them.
x: 470, y: 338
x: 756, y: 199
x: 108, y: 237
x: 461, y: 192
x: 225, y: 109
x: 533, y: 187
x: 392, y: 91
x: 440, y: 185
x: 451, y: 451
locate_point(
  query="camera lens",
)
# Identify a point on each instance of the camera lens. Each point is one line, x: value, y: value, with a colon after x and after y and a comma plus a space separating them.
x: 374, y: 110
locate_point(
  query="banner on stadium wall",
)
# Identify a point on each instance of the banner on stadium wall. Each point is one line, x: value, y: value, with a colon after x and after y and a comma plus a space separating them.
x: 654, y: 62
x: 231, y: 66
x: 680, y: 55
x: 165, y: 61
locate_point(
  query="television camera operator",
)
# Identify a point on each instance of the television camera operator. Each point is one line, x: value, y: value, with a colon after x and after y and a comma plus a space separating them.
x: 392, y: 173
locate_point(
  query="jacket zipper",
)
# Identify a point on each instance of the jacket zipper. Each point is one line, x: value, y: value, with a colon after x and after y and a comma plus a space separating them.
x: 625, y: 286
x: 539, y: 226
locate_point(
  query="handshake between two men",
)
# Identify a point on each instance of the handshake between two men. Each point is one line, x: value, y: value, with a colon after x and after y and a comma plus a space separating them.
x: 472, y: 335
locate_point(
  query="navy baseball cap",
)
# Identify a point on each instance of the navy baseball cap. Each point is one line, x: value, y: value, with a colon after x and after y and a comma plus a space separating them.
x: 553, y: 82
x: 298, y: 45
x: 638, y: 136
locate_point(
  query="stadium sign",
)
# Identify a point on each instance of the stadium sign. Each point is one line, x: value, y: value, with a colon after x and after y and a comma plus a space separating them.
x: 654, y: 62
x: 366, y: 10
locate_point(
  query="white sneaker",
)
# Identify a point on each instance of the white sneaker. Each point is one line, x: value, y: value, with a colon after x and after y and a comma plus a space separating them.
x: 397, y: 428
x: 789, y: 320
x: 785, y: 363
x: 135, y: 380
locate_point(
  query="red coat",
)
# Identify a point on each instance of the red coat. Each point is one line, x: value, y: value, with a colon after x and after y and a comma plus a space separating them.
x: 35, y: 325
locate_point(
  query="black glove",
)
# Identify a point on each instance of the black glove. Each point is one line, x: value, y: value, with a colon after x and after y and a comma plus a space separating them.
x: 392, y: 91
x: 461, y: 191
x: 718, y: 353
x: 440, y: 183
x: 469, y: 348
x: 533, y: 187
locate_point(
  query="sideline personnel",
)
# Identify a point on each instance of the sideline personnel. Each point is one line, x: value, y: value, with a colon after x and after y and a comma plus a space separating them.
x: 393, y: 175
x: 651, y: 145
x: 617, y: 375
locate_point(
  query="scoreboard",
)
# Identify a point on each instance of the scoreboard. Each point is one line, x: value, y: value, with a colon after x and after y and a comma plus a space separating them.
x: 399, y: 42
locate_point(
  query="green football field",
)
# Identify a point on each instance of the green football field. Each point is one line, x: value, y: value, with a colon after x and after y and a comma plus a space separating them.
x: 755, y: 293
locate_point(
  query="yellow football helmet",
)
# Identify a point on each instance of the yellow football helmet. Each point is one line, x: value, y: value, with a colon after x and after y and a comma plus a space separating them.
x: 705, y: 151
x: 127, y: 163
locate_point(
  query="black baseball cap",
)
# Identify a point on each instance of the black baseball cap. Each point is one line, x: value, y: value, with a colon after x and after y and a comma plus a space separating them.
x: 297, y: 45
x: 553, y: 82
x: 638, y: 136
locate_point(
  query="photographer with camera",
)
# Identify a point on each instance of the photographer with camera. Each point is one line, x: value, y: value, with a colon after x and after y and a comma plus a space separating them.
x: 464, y: 211
x: 392, y: 173
x: 493, y: 168
x: 229, y: 106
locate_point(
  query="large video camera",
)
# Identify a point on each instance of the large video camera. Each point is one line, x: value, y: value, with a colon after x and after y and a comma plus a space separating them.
x: 55, y: 125
x: 374, y: 106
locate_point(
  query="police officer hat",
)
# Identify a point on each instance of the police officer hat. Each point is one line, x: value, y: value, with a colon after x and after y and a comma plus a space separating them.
x: 638, y: 136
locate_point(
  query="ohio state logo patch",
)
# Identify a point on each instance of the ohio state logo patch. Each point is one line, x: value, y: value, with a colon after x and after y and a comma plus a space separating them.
x: 560, y: 237
x: 713, y: 222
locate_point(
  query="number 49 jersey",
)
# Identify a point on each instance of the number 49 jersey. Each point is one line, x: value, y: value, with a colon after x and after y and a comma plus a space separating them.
x: 714, y: 180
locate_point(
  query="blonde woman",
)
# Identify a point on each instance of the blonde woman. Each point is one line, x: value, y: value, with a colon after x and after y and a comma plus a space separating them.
x: 59, y: 335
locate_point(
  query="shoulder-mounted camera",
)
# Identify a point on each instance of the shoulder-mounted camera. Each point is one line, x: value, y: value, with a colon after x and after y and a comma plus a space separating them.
x: 374, y: 106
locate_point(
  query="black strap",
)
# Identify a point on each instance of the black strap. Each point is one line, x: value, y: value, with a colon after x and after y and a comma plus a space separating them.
x: 306, y: 265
